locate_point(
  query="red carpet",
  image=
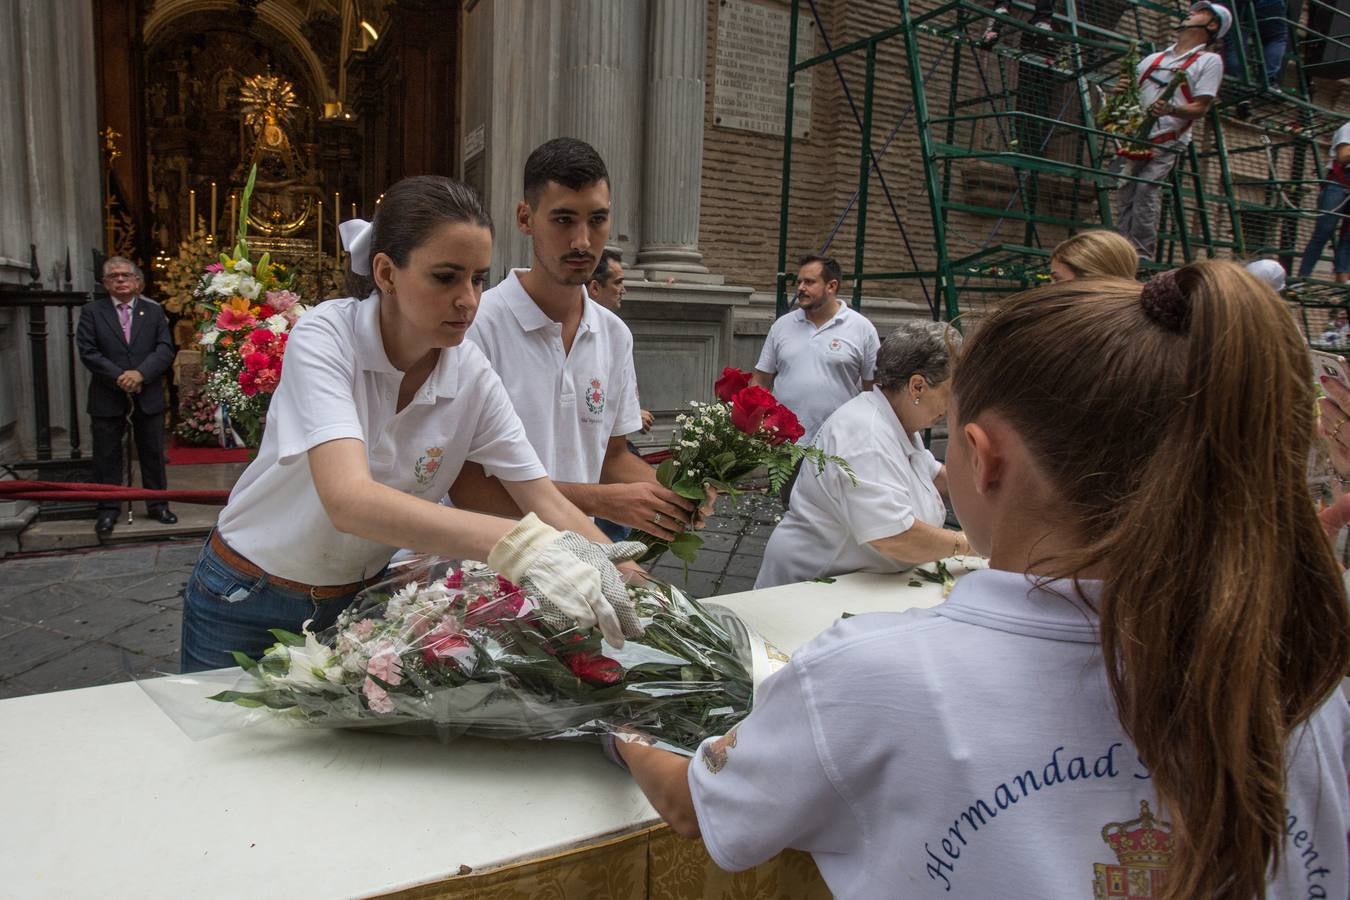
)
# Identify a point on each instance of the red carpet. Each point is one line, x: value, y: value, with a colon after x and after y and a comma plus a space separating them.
x: 189, y: 455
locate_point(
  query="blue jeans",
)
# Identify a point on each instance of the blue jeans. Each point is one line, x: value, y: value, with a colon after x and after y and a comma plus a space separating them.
x: 1334, y: 218
x: 1274, y: 35
x: 612, y: 530
x: 225, y: 609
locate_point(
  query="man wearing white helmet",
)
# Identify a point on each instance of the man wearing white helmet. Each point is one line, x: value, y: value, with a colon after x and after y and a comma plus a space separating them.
x: 1200, y: 72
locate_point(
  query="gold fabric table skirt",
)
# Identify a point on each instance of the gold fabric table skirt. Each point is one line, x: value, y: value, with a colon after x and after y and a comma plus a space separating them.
x: 653, y: 863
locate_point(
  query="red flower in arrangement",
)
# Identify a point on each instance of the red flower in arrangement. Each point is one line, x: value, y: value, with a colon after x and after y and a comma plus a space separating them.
x: 256, y: 361
x: 749, y: 407
x: 268, y: 379
x: 732, y: 380
x: 782, y: 426
x: 445, y: 646
x: 265, y: 311
x: 504, y: 608
x: 263, y: 338
x: 594, y: 668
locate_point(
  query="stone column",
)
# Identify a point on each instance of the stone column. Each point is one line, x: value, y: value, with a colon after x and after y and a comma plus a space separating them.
x: 673, y: 159
x: 600, y: 99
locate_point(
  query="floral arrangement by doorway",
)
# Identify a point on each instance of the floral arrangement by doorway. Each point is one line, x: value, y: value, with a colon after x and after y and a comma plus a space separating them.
x: 247, y: 309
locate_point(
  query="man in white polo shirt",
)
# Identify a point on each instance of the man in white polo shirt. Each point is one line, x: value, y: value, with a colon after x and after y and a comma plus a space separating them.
x: 566, y: 361
x: 822, y: 354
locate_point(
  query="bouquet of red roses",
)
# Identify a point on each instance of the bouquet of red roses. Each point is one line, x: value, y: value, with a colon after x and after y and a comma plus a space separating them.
x: 720, y: 444
x: 455, y: 650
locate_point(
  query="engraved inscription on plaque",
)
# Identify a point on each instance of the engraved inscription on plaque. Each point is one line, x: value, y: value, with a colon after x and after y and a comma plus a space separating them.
x: 752, y: 61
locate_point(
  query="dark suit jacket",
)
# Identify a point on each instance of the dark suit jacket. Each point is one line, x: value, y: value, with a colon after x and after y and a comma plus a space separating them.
x: 107, y: 354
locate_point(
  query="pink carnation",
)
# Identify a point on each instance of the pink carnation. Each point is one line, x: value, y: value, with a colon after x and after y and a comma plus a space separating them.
x: 281, y: 300
x: 385, y: 665
x: 255, y: 361
x: 364, y: 628
x: 377, y: 697
x: 215, y: 267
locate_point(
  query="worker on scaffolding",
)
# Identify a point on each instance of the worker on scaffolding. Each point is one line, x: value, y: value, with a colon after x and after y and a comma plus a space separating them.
x: 1176, y: 87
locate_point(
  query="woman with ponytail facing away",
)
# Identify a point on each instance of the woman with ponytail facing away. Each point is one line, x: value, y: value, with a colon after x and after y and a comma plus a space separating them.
x: 1140, y: 692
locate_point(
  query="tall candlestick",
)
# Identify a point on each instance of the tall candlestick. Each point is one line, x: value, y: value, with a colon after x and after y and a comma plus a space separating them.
x: 318, y: 241
x: 337, y: 238
x: 353, y: 210
x: 234, y: 216
x: 213, y: 210
x: 192, y: 212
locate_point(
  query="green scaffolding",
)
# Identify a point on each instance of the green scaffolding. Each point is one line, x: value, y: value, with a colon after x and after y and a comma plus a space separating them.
x: 1018, y: 115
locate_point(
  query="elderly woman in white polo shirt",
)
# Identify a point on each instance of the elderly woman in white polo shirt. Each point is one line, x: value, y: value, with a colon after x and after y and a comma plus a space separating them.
x: 892, y: 518
x: 379, y: 406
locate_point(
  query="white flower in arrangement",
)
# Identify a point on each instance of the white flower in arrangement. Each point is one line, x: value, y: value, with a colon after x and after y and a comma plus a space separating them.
x: 243, y: 265
x: 248, y: 287
x: 312, y: 665
x: 277, y: 324
x: 208, y: 338
x: 224, y: 284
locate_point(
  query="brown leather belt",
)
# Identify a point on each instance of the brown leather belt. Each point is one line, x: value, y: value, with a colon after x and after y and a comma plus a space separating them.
x: 315, y: 591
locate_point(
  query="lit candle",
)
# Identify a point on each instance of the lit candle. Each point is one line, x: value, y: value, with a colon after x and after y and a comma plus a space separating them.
x: 337, y: 238
x: 318, y: 242
x: 213, y: 209
x: 234, y: 215
x: 192, y: 212
x: 353, y: 210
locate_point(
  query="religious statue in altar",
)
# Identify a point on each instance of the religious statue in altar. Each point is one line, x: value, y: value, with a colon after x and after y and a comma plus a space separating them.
x: 286, y: 195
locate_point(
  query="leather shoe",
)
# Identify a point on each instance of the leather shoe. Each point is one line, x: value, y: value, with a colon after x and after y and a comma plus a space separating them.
x: 164, y: 517
x: 104, y: 526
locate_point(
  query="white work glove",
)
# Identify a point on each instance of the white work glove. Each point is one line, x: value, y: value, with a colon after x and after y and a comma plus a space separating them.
x: 572, y: 579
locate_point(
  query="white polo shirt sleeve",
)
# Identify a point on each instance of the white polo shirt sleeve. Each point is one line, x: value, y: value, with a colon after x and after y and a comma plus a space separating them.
x: 628, y: 417
x: 1342, y: 136
x: 499, y: 442
x: 763, y: 786
x: 316, y: 403
x: 879, y: 505
x: 1206, y: 75
x: 768, y: 356
x: 871, y: 346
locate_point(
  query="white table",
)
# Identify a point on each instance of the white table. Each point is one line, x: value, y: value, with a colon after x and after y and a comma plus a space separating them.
x: 101, y: 794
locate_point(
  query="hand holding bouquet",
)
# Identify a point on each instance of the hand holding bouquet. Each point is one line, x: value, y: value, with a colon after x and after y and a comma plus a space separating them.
x: 1123, y: 114
x: 452, y: 651
x: 718, y: 444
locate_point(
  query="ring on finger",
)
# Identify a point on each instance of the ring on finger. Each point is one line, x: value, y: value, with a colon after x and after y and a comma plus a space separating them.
x: 658, y: 518
x: 1336, y: 432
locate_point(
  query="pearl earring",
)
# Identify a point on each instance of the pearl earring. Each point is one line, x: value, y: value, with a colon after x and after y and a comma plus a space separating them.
x: 916, y: 401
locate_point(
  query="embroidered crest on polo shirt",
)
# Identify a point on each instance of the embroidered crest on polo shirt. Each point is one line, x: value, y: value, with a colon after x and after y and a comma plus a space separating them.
x: 595, y: 397
x: 835, y: 344
x: 1143, y: 849
x: 715, y: 754
x: 427, y: 466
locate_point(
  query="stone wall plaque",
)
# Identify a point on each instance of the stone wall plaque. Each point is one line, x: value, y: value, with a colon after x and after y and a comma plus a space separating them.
x: 751, y: 72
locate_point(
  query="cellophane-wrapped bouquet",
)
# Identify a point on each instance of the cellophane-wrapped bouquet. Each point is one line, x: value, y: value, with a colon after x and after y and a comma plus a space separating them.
x: 452, y: 650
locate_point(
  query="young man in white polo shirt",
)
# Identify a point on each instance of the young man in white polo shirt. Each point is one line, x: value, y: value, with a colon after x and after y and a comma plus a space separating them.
x: 566, y: 361
x: 822, y: 354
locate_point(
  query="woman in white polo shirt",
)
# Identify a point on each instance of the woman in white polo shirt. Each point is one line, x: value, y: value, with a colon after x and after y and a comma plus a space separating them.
x: 379, y: 406
x: 1138, y: 697
x: 892, y: 516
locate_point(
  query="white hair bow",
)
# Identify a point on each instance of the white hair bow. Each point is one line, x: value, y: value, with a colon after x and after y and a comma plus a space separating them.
x: 356, y: 238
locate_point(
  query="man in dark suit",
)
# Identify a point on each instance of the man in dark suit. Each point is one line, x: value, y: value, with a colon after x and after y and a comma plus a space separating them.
x: 124, y: 341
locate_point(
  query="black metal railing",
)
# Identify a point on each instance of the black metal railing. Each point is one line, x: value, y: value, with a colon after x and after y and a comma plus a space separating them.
x: 38, y: 303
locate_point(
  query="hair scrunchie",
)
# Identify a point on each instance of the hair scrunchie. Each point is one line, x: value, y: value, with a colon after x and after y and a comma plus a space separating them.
x: 1164, y: 303
x: 356, y: 239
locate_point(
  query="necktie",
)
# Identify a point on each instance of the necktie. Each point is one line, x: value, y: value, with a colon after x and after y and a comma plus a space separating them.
x: 124, y: 313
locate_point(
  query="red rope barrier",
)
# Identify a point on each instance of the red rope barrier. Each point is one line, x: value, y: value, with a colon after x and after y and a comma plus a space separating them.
x: 70, y: 491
